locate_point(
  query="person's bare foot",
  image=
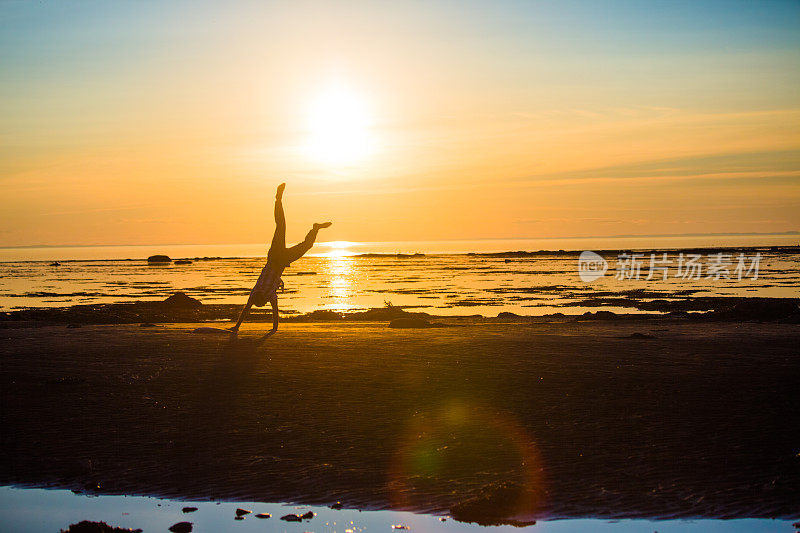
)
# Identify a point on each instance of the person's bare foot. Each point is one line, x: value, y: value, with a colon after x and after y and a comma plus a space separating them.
x: 323, y: 225
x: 279, y: 193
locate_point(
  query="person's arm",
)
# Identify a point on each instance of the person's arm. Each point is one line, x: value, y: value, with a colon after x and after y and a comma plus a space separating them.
x: 271, y: 332
x: 242, y: 315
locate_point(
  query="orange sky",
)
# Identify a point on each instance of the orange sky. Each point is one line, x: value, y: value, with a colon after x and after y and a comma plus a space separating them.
x: 139, y: 124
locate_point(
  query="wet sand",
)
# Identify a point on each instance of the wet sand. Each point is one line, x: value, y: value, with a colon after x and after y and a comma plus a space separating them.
x: 577, y: 419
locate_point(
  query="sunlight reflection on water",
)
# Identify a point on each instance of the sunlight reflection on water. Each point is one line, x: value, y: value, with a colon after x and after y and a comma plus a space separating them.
x: 339, y: 269
x: 337, y: 280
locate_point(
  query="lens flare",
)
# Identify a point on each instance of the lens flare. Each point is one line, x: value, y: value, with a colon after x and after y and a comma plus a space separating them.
x: 449, y: 454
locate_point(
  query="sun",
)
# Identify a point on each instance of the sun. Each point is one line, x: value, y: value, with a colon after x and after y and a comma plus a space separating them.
x: 338, y: 127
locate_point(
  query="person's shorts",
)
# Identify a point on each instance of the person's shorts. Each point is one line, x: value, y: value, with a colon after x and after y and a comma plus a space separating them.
x: 260, y: 299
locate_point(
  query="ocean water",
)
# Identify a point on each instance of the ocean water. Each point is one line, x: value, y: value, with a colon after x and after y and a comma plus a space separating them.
x: 451, y: 278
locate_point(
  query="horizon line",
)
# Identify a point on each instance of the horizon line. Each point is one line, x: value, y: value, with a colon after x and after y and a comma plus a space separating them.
x: 617, y: 236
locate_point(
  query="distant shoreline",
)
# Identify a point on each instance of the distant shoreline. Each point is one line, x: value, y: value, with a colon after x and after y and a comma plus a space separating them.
x: 619, y: 236
x: 788, y: 249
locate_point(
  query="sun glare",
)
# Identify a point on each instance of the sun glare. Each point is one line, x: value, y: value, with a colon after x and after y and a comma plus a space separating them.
x: 337, y: 248
x: 339, y: 127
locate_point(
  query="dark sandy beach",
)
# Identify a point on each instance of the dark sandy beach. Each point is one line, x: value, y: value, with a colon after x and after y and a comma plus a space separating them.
x: 614, y: 418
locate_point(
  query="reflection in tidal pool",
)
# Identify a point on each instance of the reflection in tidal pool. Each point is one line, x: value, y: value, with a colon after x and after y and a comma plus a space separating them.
x: 40, y: 510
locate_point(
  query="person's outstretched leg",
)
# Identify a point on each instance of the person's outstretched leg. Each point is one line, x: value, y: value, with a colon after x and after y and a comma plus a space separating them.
x: 278, y: 245
x: 296, y: 252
